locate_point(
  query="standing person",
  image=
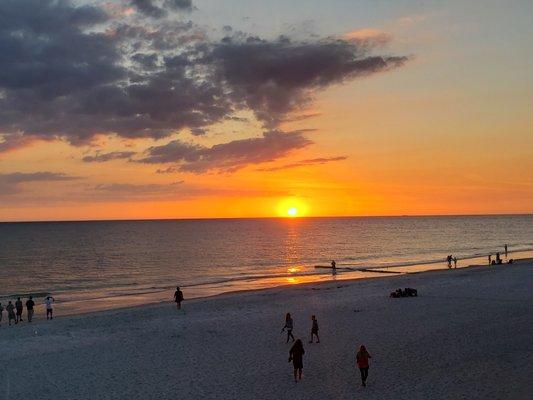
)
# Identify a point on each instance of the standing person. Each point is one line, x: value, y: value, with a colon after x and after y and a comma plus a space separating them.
x: 498, y: 259
x: 362, y: 358
x: 10, y: 312
x: 333, y: 267
x: 455, y: 262
x: 505, y: 247
x: 449, y: 260
x: 178, y: 297
x: 49, y: 303
x: 1, y: 312
x: 296, y: 356
x: 314, y: 330
x: 490, y: 259
x: 289, y: 325
x: 18, y: 306
x: 29, y: 306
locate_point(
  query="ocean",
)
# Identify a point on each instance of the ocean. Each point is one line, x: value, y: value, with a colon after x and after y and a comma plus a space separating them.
x: 97, y: 265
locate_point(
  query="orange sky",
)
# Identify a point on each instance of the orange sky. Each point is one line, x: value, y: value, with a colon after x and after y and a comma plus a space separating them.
x: 446, y: 133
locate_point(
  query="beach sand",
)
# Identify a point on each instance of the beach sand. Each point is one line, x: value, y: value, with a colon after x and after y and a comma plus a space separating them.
x: 467, y: 336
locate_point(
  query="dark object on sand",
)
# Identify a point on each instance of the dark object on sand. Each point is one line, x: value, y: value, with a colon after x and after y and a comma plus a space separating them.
x: 407, y: 292
x: 510, y: 261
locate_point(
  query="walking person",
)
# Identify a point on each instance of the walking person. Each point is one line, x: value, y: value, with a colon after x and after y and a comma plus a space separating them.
x: 18, y: 306
x: 455, y: 262
x: 178, y: 297
x: 10, y: 312
x: 505, y: 247
x: 296, y: 356
x: 449, y: 260
x: 314, y: 330
x: 362, y: 359
x: 289, y: 325
x: 490, y: 259
x: 29, y: 306
x: 49, y: 304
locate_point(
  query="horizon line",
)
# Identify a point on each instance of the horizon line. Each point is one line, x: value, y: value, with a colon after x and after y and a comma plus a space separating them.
x: 273, y: 217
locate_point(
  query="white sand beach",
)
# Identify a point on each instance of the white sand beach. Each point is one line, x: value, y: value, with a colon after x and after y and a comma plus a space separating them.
x: 467, y: 336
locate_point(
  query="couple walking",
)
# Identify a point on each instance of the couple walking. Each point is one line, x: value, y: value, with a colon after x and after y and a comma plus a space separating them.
x: 289, y: 325
x: 297, y: 352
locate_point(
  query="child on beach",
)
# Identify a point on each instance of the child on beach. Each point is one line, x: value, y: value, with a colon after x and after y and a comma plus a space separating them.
x: 18, y: 306
x: 296, y: 356
x: 314, y: 330
x: 178, y: 297
x: 363, y: 363
x: 29, y: 306
x: 10, y: 312
x: 289, y: 325
x: 49, y: 303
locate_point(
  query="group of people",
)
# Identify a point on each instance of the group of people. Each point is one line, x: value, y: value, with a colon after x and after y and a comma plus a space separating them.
x: 14, y: 311
x: 451, y: 259
x: 289, y: 326
x: 297, y: 350
x: 498, y: 259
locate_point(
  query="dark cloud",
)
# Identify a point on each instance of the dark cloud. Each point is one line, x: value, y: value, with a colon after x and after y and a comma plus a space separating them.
x: 155, y: 9
x: 227, y: 157
x: 10, y: 183
x: 72, y: 72
x: 312, y: 161
x: 115, y: 155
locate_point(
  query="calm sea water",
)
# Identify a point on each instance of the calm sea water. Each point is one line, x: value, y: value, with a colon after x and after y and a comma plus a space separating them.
x: 97, y: 265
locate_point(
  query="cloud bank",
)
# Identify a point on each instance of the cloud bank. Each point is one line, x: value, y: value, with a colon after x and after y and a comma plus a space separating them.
x: 75, y: 71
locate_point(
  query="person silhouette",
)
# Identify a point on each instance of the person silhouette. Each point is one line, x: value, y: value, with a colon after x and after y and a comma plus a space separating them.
x: 289, y: 325
x: 178, y: 297
x: 29, y: 307
x: 314, y: 330
x: 10, y: 308
x: 362, y: 358
x: 296, y: 356
x: 18, y: 306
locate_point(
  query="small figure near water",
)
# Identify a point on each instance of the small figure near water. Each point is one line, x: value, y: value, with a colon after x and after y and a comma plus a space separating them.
x: 490, y: 259
x: 289, y: 325
x: 449, y: 260
x: 455, y: 262
x: 362, y: 359
x: 1, y: 312
x: 296, y: 356
x: 10, y: 308
x: 49, y: 304
x: 29, y: 306
x: 505, y: 247
x: 498, y: 259
x: 18, y: 306
x: 333, y: 267
x: 314, y: 330
x: 178, y: 297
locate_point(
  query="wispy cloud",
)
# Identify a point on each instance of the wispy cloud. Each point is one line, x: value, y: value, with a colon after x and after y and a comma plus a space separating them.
x: 11, y: 183
x: 115, y: 155
x: 303, y: 163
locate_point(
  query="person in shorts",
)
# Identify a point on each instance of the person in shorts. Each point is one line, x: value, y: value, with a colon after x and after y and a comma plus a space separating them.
x: 49, y: 304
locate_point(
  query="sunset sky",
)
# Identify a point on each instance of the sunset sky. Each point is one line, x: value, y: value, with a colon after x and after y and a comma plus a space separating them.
x: 133, y: 109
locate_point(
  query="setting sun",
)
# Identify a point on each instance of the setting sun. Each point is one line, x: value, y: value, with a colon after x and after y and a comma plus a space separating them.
x: 292, y: 212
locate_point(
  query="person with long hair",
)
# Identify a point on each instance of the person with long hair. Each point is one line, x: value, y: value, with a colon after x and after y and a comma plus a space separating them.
x: 289, y: 325
x: 296, y: 356
x: 362, y: 359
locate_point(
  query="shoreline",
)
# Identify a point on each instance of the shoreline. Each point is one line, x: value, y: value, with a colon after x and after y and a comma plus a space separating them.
x: 350, y: 281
